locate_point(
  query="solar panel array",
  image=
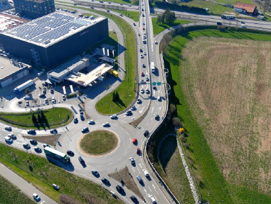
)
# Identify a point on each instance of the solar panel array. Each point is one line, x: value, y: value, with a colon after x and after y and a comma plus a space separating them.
x: 46, y: 29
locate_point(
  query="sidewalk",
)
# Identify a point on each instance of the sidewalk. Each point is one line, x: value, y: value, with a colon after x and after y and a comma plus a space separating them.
x: 23, y: 185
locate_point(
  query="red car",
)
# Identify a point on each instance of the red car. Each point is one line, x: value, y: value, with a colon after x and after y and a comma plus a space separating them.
x: 143, y: 28
x: 134, y: 141
x: 142, y: 74
x: 138, y: 151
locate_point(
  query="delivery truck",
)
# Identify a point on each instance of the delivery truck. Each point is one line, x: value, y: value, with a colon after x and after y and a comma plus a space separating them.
x: 152, y: 67
x: 23, y: 86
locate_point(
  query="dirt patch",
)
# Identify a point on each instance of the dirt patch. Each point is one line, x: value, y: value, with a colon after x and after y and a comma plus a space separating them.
x: 127, y: 178
x: 136, y: 122
x: 51, y: 140
x: 227, y: 84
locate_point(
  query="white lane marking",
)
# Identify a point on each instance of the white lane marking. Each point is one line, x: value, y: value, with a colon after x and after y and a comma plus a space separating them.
x: 155, y: 189
x: 42, y: 202
x: 145, y: 190
x: 133, y: 169
x: 150, y: 189
x: 140, y: 165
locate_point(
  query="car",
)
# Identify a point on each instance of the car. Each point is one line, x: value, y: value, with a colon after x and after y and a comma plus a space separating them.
x: 145, y: 37
x: 108, y: 11
x: 147, y: 79
x: 134, y: 199
x: 145, y: 53
x: 92, y: 7
x: 242, y: 22
x: 142, y: 56
x: 36, y: 197
x: 243, y: 26
x: 143, y: 15
x: 81, y: 160
x: 143, y: 24
x: 142, y: 9
x: 46, y: 145
x: 155, y: 42
x: 143, y: 28
x: 134, y: 141
x: 106, y: 124
x: 138, y: 151
x: 33, y: 142
x: 121, y: 4
x: 8, y: 139
x: 152, y: 199
x: 120, y: 189
x: 139, y: 179
x: 129, y: 113
x: 147, y: 91
x: 157, y: 117
x: 52, y: 91
x: 134, y: 24
x: 138, y: 101
x: 91, y: 122
x: 142, y: 91
x: 141, y: 50
x: 146, y: 173
x: 12, y: 136
x: 64, y: 97
x: 95, y: 173
x: 154, y: 88
x: 56, y: 187
x: 142, y: 81
x: 26, y: 145
x: 8, y: 128
x: 70, y: 153
x: 133, y: 108
x: 31, y: 131
x: 142, y: 74
x: 121, y: 15
x: 53, y: 100
x: 46, y: 101
x: 146, y: 133
x: 132, y: 160
x: 75, y: 120
x: 42, y: 95
x: 159, y: 98
x: 37, y: 149
x: 113, y: 194
x: 53, y: 131
x: 143, y: 65
x: 114, y: 116
x: 27, y: 97
x: 85, y: 129
x: 105, y: 181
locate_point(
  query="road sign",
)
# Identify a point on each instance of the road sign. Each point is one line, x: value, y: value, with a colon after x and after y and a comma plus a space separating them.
x: 158, y: 83
x: 154, y: 83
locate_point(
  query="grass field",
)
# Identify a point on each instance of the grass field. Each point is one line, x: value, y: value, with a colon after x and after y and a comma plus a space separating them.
x: 11, y: 194
x: 43, y: 174
x: 173, y: 170
x: 160, y: 27
x: 55, y: 117
x: 99, y: 142
x: 239, y: 171
x: 131, y: 14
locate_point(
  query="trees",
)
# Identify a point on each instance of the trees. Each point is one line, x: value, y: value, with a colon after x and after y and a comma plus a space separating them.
x: 169, y: 17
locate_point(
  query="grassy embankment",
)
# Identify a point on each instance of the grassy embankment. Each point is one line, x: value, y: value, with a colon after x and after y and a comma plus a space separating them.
x: 213, y: 186
x: 11, y: 194
x: 43, y: 174
x: 99, y: 142
x: 160, y: 27
x: 131, y: 14
x: 52, y: 118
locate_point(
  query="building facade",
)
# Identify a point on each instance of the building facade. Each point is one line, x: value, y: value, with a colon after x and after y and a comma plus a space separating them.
x: 34, y: 8
x: 51, y: 43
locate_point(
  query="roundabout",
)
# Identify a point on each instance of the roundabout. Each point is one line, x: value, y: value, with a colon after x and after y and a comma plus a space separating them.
x: 98, y: 143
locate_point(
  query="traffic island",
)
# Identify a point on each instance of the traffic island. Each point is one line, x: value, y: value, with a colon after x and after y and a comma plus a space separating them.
x: 98, y: 143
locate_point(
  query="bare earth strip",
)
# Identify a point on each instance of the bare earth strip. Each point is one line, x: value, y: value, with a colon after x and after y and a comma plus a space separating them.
x: 227, y: 83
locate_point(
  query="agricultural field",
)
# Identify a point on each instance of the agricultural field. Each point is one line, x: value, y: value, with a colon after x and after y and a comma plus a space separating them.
x: 227, y: 84
x: 221, y: 87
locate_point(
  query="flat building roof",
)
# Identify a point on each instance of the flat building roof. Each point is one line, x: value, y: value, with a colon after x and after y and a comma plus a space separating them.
x: 86, y: 79
x: 52, y: 28
x: 7, y: 68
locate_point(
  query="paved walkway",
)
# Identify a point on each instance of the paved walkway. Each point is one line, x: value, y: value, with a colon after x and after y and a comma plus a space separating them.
x: 23, y: 185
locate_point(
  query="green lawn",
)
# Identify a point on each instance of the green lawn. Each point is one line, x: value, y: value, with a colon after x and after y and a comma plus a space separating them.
x: 160, y: 27
x: 43, y: 174
x: 54, y: 117
x: 173, y: 171
x: 99, y: 142
x: 11, y: 194
x: 131, y: 14
x: 213, y: 186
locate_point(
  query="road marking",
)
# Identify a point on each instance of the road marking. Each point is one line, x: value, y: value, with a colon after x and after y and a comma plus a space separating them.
x: 140, y: 165
x: 42, y: 202
x: 155, y: 189
x: 150, y: 189
x: 145, y: 190
x: 133, y: 169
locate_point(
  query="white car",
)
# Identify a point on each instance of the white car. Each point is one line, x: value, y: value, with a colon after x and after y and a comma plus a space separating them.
x: 152, y: 199
x: 8, y: 139
x: 36, y: 197
x: 146, y: 173
x: 114, y: 116
x: 155, y: 42
x: 106, y: 124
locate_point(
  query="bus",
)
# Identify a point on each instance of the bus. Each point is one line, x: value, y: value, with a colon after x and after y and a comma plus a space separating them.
x: 56, y: 154
x: 228, y: 17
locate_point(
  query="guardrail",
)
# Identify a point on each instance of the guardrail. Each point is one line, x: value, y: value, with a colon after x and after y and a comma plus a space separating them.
x: 101, y: 5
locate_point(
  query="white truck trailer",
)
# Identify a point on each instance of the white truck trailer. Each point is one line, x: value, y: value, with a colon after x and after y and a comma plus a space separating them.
x: 24, y: 86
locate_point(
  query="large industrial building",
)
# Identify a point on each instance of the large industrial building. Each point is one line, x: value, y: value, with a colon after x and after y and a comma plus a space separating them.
x: 54, y: 38
x: 34, y: 8
x: 11, y: 70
